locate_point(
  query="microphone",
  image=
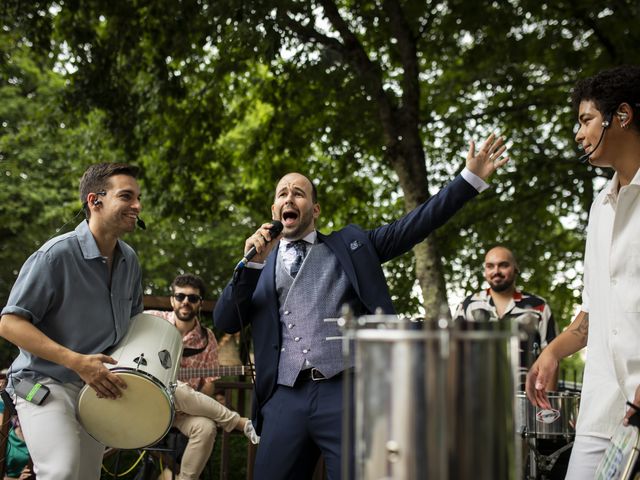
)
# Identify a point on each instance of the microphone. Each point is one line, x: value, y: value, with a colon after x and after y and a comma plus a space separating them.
x: 605, y: 124
x: 140, y: 223
x: 276, y: 228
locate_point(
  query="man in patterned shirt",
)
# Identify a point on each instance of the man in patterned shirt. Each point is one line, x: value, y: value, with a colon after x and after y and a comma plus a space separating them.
x: 197, y: 414
x: 200, y: 348
x: 504, y: 300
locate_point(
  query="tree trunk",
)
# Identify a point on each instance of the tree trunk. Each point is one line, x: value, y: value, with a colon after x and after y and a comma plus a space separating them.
x: 400, y: 122
x: 429, y: 269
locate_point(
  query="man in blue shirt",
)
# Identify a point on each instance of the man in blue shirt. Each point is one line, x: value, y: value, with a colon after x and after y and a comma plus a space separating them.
x: 72, y: 300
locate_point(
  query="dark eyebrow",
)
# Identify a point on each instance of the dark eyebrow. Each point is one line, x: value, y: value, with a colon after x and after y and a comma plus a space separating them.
x: 582, y: 115
x: 127, y: 190
x: 294, y: 188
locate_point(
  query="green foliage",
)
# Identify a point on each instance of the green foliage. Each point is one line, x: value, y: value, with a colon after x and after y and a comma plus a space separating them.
x: 215, y: 100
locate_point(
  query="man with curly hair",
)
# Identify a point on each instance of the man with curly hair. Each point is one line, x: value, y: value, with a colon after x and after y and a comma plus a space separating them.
x: 608, y: 107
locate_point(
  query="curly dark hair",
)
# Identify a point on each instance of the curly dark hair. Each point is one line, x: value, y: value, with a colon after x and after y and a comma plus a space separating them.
x: 610, y: 88
x: 189, y: 280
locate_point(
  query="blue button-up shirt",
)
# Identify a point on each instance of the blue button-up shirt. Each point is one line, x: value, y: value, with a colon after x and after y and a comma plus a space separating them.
x: 64, y: 289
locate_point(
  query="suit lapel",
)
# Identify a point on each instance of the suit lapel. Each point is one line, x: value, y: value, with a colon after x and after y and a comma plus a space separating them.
x: 270, y: 269
x: 339, y: 249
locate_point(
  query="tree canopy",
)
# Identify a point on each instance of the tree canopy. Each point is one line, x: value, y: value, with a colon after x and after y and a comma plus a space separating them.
x: 375, y: 101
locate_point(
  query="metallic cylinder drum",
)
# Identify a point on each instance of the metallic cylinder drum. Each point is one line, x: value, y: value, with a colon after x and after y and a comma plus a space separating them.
x: 434, y: 402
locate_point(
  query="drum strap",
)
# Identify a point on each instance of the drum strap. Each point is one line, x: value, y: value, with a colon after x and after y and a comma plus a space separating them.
x: 190, y: 352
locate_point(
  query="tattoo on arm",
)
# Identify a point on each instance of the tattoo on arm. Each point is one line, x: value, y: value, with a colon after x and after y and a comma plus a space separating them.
x: 582, y: 330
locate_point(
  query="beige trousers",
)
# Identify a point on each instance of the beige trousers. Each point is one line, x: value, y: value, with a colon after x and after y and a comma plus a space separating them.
x: 197, y: 416
x: 59, y: 446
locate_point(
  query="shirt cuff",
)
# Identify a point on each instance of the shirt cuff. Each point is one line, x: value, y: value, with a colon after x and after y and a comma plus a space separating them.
x: 255, y: 265
x: 475, y: 181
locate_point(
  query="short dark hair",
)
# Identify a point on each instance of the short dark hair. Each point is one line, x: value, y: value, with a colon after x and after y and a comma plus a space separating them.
x: 610, y: 88
x: 189, y: 280
x: 96, y: 178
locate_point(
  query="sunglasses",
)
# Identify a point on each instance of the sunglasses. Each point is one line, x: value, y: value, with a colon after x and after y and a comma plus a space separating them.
x: 193, y: 298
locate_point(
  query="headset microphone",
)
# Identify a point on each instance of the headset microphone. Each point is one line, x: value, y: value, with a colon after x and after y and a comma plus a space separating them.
x: 605, y: 125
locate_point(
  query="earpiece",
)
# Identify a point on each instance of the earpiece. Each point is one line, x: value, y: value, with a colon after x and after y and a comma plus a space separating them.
x: 623, y: 118
x: 98, y: 201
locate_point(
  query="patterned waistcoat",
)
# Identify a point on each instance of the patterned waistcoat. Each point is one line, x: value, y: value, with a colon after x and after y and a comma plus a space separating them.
x: 319, y: 290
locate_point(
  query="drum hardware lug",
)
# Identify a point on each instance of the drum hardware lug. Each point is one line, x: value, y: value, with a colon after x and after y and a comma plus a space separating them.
x: 172, y: 387
x: 165, y: 359
x: 140, y: 361
x: 393, y: 451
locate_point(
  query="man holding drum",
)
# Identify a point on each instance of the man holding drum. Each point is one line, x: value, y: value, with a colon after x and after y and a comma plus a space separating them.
x: 608, y: 107
x: 197, y: 414
x: 73, y: 299
x: 308, y: 277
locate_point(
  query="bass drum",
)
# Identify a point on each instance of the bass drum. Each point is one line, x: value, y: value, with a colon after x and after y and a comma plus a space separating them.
x: 148, y: 361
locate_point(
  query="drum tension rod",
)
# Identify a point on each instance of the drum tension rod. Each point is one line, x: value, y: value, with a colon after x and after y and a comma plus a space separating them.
x: 140, y: 360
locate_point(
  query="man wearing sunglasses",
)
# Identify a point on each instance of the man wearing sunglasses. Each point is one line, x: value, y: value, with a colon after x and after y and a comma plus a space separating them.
x: 197, y: 413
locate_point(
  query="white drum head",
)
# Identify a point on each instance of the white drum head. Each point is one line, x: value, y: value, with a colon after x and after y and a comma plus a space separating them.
x: 139, y: 418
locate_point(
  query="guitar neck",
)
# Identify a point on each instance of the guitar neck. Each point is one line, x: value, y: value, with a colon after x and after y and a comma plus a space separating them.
x: 219, y: 371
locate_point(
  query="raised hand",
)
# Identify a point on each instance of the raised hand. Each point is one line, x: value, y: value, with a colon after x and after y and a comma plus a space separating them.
x: 489, y: 157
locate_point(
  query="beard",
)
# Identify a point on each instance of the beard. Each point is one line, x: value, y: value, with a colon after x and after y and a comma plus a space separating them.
x: 185, y: 317
x: 501, y: 285
x: 304, y: 221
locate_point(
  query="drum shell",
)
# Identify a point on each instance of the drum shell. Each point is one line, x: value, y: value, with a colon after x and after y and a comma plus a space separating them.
x: 567, y: 403
x: 435, y: 403
x: 144, y: 412
x: 149, y: 335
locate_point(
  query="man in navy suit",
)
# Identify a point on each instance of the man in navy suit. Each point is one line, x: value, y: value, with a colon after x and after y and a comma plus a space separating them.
x: 293, y: 284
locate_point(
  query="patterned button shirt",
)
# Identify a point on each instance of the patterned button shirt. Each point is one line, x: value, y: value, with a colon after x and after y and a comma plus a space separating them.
x: 480, y: 306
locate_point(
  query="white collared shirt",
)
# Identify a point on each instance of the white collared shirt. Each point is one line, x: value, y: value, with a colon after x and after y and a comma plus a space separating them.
x: 611, y: 296
x: 288, y: 255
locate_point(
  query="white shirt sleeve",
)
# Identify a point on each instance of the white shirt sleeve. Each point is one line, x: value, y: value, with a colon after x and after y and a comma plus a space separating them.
x: 475, y: 181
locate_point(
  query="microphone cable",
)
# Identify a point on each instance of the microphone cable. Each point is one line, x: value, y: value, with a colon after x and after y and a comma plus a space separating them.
x: 605, y: 125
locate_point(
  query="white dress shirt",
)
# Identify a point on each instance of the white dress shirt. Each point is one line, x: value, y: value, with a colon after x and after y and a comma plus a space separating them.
x: 611, y: 296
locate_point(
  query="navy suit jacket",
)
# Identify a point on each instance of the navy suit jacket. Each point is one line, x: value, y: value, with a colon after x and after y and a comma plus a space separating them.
x: 361, y: 254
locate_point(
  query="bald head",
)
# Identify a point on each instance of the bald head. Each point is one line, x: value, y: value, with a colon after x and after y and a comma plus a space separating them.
x: 295, y: 205
x: 500, y: 269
